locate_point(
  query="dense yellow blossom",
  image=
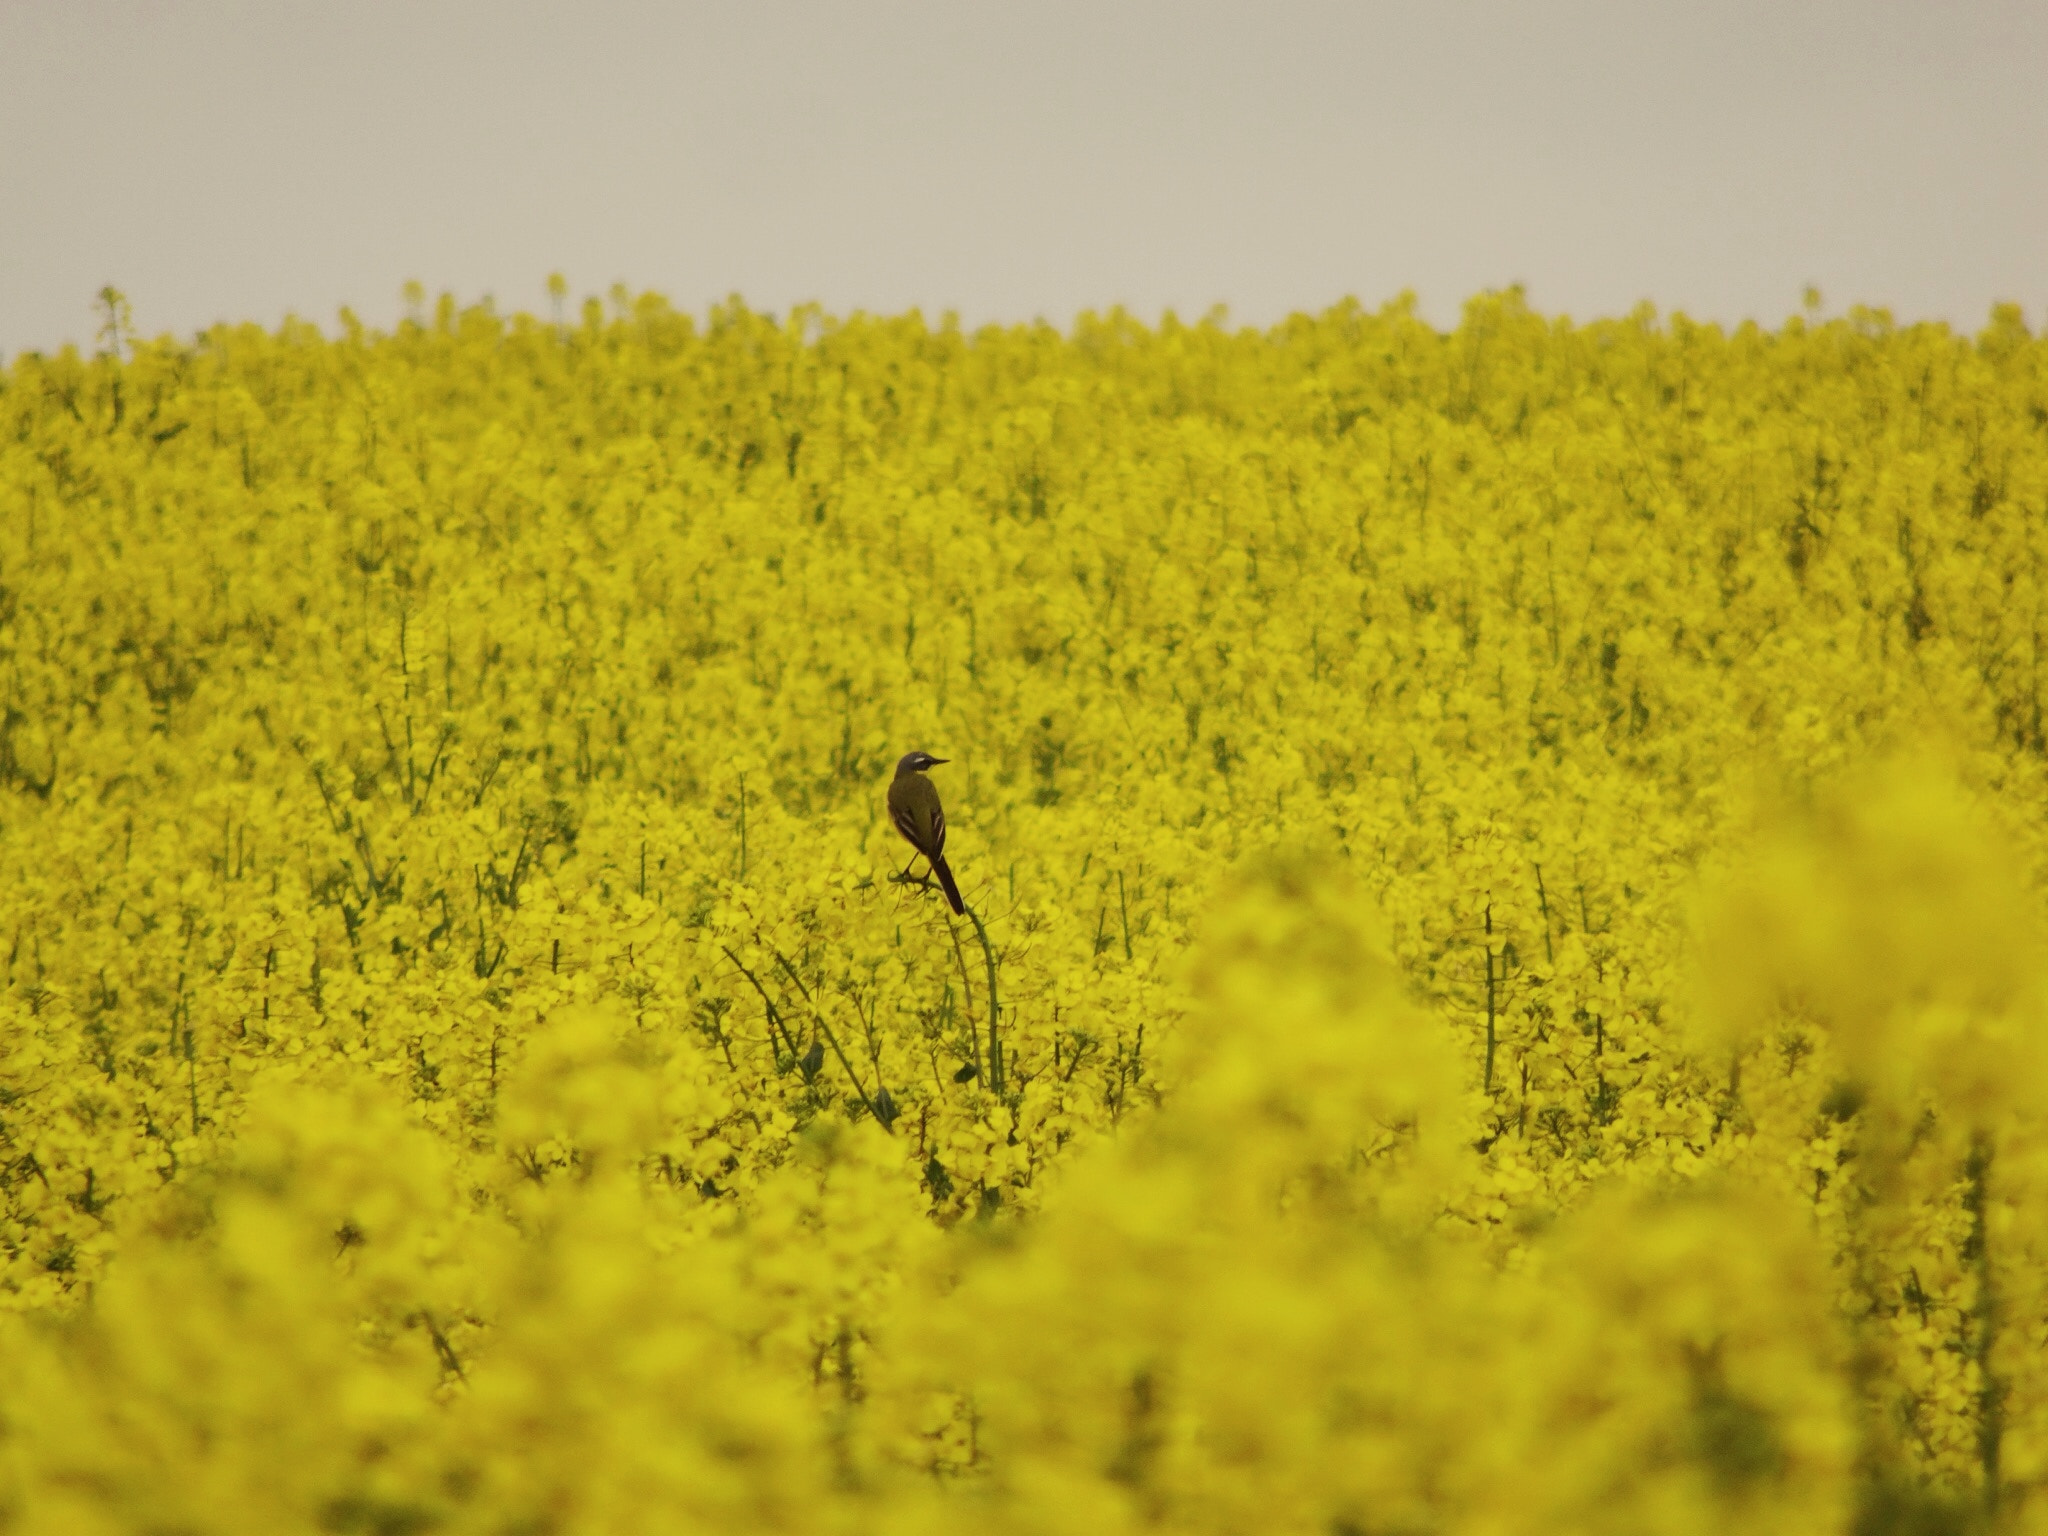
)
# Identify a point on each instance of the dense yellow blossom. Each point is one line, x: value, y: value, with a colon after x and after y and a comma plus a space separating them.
x: 1502, y: 989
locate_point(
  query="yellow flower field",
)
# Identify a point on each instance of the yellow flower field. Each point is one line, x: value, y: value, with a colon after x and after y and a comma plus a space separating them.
x: 1502, y: 988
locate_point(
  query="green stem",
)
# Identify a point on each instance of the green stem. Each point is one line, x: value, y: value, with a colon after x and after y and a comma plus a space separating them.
x: 966, y: 995
x: 995, y: 1045
x: 1487, y: 1083
x: 774, y: 1018
x: 832, y: 1040
x: 1990, y: 1390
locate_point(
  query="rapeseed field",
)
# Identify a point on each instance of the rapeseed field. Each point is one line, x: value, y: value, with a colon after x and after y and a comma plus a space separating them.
x: 1501, y: 991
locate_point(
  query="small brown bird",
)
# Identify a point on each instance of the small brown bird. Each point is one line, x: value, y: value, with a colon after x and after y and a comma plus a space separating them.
x: 914, y: 807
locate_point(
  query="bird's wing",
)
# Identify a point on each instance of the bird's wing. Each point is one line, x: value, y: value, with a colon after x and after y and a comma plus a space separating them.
x: 907, y: 825
x: 914, y: 808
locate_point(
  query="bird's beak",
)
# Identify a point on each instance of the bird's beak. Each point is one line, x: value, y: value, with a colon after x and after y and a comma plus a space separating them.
x: 938, y: 760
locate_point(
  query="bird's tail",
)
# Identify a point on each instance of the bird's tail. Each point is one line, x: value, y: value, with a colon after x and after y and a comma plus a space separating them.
x: 945, y: 874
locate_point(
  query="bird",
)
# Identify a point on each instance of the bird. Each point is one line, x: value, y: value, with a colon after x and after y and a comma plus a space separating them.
x: 914, y: 808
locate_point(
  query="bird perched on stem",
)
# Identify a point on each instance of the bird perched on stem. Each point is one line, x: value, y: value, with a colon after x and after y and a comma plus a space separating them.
x: 914, y: 808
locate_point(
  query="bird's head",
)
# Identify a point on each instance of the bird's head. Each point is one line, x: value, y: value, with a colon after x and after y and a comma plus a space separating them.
x: 917, y: 762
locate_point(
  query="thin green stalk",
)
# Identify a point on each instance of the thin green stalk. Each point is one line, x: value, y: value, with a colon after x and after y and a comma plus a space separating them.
x: 967, y: 996
x: 1990, y: 1390
x: 1487, y: 1083
x: 995, y: 1045
x: 832, y: 1040
x: 774, y: 1018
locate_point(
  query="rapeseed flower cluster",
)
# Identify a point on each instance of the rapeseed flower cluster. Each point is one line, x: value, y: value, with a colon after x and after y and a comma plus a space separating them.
x: 1502, y: 988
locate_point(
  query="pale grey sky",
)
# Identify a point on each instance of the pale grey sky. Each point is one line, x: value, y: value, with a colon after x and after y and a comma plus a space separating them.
x: 222, y: 160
